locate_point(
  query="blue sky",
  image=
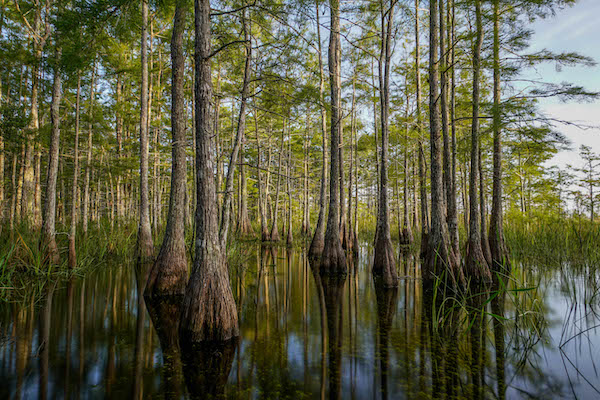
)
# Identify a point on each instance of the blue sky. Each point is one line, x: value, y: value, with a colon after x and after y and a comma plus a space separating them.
x: 576, y: 29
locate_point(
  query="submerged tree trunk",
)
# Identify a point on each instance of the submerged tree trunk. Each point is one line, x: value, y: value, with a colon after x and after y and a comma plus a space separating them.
x: 333, y: 259
x: 476, y: 265
x: 145, y: 246
x: 500, y: 260
x: 168, y: 275
x: 439, y: 256
x: 49, y: 215
x: 209, y: 311
x: 384, y: 263
x: 318, y: 241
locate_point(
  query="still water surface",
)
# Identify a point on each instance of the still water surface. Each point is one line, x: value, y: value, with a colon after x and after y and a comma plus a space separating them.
x: 303, y: 336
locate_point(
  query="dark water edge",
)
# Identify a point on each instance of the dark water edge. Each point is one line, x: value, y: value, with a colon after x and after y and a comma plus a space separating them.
x: 305, y: 336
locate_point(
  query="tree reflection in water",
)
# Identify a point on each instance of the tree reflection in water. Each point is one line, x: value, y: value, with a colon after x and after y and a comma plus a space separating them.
x: 304, y: 335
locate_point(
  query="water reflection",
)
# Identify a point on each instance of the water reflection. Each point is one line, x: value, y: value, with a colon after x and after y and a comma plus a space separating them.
x: 304, y: 335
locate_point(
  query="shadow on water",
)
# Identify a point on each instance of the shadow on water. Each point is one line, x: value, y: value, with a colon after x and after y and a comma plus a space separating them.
x: 307, y: 335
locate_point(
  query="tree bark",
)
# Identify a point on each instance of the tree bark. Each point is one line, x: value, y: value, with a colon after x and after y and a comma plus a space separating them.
x: 384, y: 264
x: 145, y: 246
x: 48, y: 241
x: 209, y: 311
x: 318, y: 241
x: 440, y: 256
x: 168, y: 276
x: 333, y: 259
x: 500, y: 259
x: 476, y: 266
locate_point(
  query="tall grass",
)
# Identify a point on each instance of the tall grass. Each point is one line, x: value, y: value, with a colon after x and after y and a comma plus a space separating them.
x: 552, y: 241
x: 24, y: 262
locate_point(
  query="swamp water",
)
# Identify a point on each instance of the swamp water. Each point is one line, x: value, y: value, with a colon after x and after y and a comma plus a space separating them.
x: 303, y: 336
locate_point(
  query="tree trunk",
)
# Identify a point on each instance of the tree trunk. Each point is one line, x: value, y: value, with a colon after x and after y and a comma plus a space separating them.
x: 20, y: 182
x: 209, y: 311
x: 262, y: 203
x: 318, y: 241
x: 443, y: 60
x: 500, y: 260
x: 440, y: 256
x: 343, y: 232
x: 239, y: 137
x: 13, y: 200
x: 333, y: 259
x: 48, y: 241
x: 289, y: 169
x: 73, y: 231
x: 305, y: 192
x: 476, y: 265
x: 37, y: 192
x: 27, y: 204
x: 145, y: 246
x: 168, y: 275
x: 452, y: 202
x: 485, y: 244
x: 420, y: 150
x: 350, y: 228
x: 356, y: 163
x: 406, y: 234
x: 88, y: 164
x: 384, y: 264
x: 406, y: 230
x: 244, y: 225
x: 119, y: 135
x: 274, y: 228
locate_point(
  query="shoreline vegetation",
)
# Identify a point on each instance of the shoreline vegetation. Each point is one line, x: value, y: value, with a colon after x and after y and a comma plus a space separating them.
x: 544, y: 241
